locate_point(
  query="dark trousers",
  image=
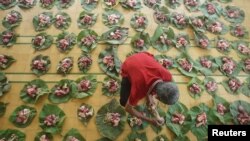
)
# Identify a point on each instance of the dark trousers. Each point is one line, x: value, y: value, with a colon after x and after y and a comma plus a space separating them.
x: 125, y: 91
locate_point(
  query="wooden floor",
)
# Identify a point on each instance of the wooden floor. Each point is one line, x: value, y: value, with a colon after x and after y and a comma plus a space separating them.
x: 19, y: 73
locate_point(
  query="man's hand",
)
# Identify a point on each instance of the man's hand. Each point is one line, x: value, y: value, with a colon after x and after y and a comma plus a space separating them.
x: 157, y: 122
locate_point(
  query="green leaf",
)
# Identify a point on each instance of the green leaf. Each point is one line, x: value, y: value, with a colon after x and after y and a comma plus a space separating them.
x: 63, y: 91
x: 110, y: 4
x: 87, y: 40
x: 12, y: 134
x: 85, y: 113
x: 191, y: 7
x: 47, y: 5
x: 45, y: 60
x: 85, y: 92
x: 25, y: 5
x: 3, y: 108
x: 174, y: 19
x: 112, y: 17
x: 105, y: 128
x: 104, y: 139
x: 25, y: 114
x: 182, y: 42
x: 43, y: 134
x: 111, y: 67
x: 229, y: 16
x: 111, y: 36
x: 9, y: 41
x: 62, y: 21
x: 132, y: 119
x: 4, y: 84
x: 62, y: 4
x: 89, y: 6
x: 202, y: 40
x: 84, y: 62
x: 153, y: 5
x: 49, y: 109
x: 209, y: 67
x: 178, y: 129
x: 181, y: 138
x: 125, y: 4
x: 225, y: 84
x: 73, y: 134
x: 46, y: 41
x: 10, y: 25
x: 65, y: 66
x: 111, y: 87
x: 199, y: 83
x: 140, y: 42
x: 9, y: 5
x: 8, y: 61
x: 161, y: 16
x: 134, y: 136
x: 166, y: 61
x: 235, y: 108
x: 236, y: 70
x: 246, y: 87
x: 223, y: 45
x: 244, y: 34
x: 211, y: 92
x: 216, y: 27
x: 161, y: 137
x: 86, y: 19
x: 173, y: 4
x: 43, y: 26
x: 217, y: 8
x: 242, y: 48
x: 69, y: 38
x: 198, y: 23
x: 139, y: 22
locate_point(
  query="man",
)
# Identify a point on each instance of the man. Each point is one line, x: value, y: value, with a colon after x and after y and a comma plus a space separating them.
x: 143, y: 76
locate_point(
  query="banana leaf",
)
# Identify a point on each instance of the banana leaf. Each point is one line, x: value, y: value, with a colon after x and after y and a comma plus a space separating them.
x: 61, y: 69
x: 161, y: 16
x: 173, y: 4
x: 193, y: 72
x: 43, y: 135
x: 46, y: 5
x: 153, y: 5
x: 197, y: 81
x: 144, y: 124
x: 225, y: 84
x: 90, y: 91
x: 26, y: 5
x: 139, y: 26
x: 179, y: 44
x: 199, y: 131
x: 245, y: 65
x: 4, y: 84
x: 62, y: 98
x: 240, y: 45
x: 235, y: 71
x: 84, y: 62
x: 239, y: 105
x: 175, y: 23
x: 125, y: 4
x: 199, y: 38
x: 177, y: 129
x: 204, y: 70
x: 85, y: 35
x: 246, y: 87
x: 11, y: 41
x: 193, y: 21
x: 223, y: 45
x: 12, y: 135
x: 73, y: 134
x: 89, y: 5
x: 111, y: 87
x: 105, y: 128
x: 43, y: 26
x: 86, y: 117
x: 210, y: 26
x: 41, y: 87
x: 181, y: 138
x: 104, y: 139
x: 8, y: 61
x: 66, y: 21
x: 136, y: 136
x: 47, y: 43
x: 225, y: 118
x: 15, y: 115
x: 8, y: 25
x: 162, y: 58
x: 110, y: 3
x: 161, y: 137
x: 71, y: 39
x: 223, y: 1
x: 45, y: 60
x: 112, y: 69
x: 192, y: 8
x: 117, y: 21
x: 140, y: 42
x: 89, y: 18
x: 47, y: 110
x: 123, y: 32
x: 62, y: 4
x: 239, y: 18
x: 162, y: 39
x: 8, y: 5
x: 3, y: 108
x: 212, y: 92
x: 213, y: 16
x: 244, y: 32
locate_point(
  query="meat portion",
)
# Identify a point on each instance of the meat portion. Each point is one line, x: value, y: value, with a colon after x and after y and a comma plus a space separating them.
x: 201, y: 119
x: 178, y: 118
x: 243, y: 116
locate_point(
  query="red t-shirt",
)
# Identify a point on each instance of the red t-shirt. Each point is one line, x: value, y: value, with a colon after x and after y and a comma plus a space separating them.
x: 142, y: 70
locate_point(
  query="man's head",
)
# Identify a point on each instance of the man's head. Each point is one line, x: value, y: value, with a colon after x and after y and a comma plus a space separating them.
x: 167, y: 92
